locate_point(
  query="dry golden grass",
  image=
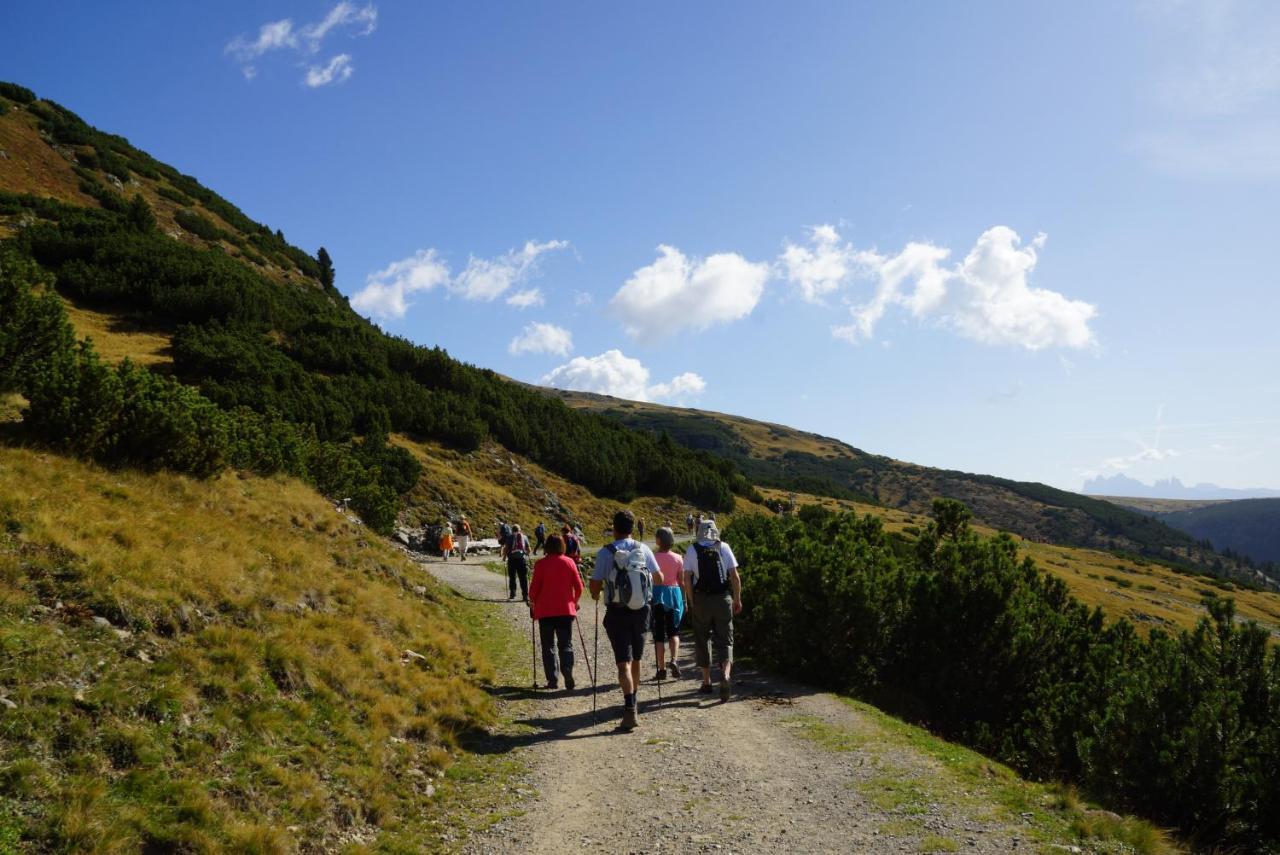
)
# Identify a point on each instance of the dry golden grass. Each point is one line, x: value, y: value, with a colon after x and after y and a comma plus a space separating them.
x: 33, y: 166
x: 115, y: 337
x: 252, y: 676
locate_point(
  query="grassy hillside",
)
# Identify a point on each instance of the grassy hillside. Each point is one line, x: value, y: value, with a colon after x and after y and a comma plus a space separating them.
x: 787, y: 459
x: 215, y: 665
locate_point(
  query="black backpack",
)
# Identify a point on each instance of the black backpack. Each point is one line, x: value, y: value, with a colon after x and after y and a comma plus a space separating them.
x: 712, y: 577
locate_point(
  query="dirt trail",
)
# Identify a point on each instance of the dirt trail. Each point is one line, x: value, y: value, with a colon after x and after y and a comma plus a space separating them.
x: 778, y: 768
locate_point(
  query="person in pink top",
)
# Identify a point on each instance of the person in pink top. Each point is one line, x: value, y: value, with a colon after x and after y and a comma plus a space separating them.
x: 553, y: 603
x: 668, y: 603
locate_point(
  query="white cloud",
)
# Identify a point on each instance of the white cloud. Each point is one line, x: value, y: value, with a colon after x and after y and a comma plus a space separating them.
x: 306, y: 40
x: 526, y: 299
x: 681, y: 387
x: 676, y: 292
x: 364, y: 20
x: 273, y: 35
x: 487, y: 279
x: 821, y: 268
x: 614, y: 373
x: 386, y: 292
x: 337, y: 71
x: 986, y: 297
x: 538, y: 337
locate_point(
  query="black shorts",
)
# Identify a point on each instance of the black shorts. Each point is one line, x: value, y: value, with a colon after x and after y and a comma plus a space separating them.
x: 664, y: 623
x: 626, y: 629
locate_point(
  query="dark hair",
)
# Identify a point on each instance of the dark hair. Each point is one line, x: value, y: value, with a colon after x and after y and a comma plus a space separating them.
x: 624, y: 522
x: 554, y: 545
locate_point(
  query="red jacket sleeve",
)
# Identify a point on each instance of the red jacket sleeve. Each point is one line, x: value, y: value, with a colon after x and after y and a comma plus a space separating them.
x: 535, y: 584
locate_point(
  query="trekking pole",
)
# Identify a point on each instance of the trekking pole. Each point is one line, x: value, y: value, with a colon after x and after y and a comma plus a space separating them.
x: 586, y: 657
x: 596, y: 659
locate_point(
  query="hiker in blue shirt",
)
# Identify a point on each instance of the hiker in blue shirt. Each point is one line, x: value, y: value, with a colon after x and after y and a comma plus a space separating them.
x: 625, y: 572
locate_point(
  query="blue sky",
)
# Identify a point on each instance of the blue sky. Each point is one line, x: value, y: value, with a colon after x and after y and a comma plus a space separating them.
x: 1035, y: 240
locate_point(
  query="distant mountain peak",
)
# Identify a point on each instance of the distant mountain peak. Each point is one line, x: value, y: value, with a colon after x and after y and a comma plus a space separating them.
x: 1169, y: 488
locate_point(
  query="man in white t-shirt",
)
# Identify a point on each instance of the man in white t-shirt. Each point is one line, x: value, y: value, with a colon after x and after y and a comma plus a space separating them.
x: 626, y: 627
x: 711, y: 575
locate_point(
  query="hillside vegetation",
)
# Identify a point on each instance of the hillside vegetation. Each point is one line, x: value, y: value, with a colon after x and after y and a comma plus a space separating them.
x: 956, y: 631
x: 775, y: 456
x: 1148, y: 594
x: 208, y: 665
x: 256, y: 326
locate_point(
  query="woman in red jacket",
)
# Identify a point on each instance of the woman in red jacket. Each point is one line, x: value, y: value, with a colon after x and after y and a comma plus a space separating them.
x: 553, y: 603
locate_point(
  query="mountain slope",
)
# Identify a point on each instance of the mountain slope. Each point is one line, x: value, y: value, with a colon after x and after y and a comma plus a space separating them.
x: 1247, y: 526
x: 780, y: 457
x: 228, y: 307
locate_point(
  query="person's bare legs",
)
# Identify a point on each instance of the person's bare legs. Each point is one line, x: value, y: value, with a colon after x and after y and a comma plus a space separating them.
x: 625, y: 679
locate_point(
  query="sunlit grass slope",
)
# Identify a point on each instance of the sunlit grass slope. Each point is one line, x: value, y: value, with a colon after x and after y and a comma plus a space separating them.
x: 212, y: 666
x: 492, y: 484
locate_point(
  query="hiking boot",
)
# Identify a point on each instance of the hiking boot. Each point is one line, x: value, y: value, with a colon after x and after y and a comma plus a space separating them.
x: 704, y: 689
x: 661, y: 674
x: 553, y: 685
x: 724, y: 689
x: 629, y: 721
x: 568, y: 682
x: 675, y: 671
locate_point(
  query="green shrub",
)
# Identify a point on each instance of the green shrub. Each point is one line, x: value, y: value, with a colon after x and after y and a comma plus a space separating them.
x: 14, y: 92
x: 174, y: 195
x: 987, y: 649
x: 198, y: 225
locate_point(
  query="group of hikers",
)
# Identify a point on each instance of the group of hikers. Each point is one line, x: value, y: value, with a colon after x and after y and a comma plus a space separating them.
x: 646, y: 595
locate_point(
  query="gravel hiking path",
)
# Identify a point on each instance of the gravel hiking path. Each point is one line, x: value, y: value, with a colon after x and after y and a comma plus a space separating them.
x: 778, y: 768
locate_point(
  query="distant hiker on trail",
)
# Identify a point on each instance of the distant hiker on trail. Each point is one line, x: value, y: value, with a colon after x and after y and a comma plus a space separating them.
x: 668, y: 603
x: 572, y: 546
x: 553, y: 603
x: 462, y: 532
x: 688, y: 523
x: 624, y: 573
x: 711, y: 573
x: 516, y: 551
x: 640, y: 528
x: 539, y: 537
x: 446, y: 542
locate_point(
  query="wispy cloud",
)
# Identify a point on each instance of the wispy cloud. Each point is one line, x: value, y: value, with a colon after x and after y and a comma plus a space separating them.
x: 489, y: 278
x: 987, y: 297
x: 306, y: 40
x: 614, y: 373
x: 386, y: 293
x: 1216, y: 89
x: 1147, y: 452
x: 337, y: 71
x: 526, y: 299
